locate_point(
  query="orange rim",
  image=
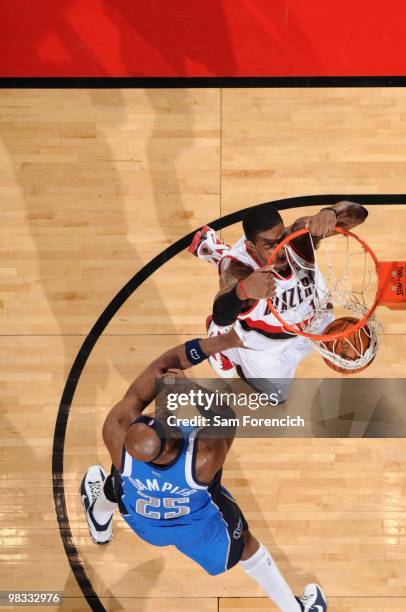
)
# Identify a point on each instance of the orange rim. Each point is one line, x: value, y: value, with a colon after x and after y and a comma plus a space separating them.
x: 324, y: 337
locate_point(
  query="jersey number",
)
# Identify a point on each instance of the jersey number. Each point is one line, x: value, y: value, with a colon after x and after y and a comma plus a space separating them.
x: 168, y: 502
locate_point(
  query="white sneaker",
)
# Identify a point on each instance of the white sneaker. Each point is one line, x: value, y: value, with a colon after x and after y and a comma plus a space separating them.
x: 91, y: 485
x: 206, y: 245
x: 223, y: 366
x: 219, y: 362
x: 313, y: 599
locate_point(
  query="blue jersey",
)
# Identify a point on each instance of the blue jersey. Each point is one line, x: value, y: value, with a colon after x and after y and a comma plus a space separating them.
x: 205, y: 521
x: 166, y: 495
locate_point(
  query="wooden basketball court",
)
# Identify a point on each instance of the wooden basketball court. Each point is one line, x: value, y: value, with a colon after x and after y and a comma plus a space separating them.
x: 94, y: 184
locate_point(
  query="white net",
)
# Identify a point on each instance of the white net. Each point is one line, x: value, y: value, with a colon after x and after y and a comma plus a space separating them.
x: 338, y: 279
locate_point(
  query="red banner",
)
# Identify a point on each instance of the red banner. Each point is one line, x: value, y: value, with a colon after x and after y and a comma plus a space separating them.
x: 202, y: 38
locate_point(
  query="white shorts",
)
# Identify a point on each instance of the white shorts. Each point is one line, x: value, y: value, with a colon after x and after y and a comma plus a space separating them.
x: 274, y: 359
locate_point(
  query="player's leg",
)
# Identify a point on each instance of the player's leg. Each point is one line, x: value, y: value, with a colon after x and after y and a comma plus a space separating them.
x: 99, y: 501
x: 268, y: 369
x: 271, y: 371
x: 220, y: 545
x: 206, y: 245
x: 251, y: 555
x: 258, y: 564
x: 227, y: 541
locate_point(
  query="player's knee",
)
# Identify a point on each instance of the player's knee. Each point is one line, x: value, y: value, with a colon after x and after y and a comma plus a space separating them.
x: 251, y: 545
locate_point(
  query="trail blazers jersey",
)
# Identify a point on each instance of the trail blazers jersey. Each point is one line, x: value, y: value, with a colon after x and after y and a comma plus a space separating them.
x: 293, y: 298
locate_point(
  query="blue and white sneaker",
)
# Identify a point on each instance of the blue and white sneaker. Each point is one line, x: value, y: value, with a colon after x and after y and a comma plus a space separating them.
x: 313, y: 599
x: 92, y: 484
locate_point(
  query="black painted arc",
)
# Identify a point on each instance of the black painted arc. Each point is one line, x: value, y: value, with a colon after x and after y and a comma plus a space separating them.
x: 98, y: 328
x: 44, y: 82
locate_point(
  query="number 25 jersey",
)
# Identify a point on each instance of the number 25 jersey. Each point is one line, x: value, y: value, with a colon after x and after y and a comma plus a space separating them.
x: 168, y: 495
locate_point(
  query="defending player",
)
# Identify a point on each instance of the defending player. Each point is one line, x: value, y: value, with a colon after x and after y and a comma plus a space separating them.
x: 168, y: 489
x: 247, y: 284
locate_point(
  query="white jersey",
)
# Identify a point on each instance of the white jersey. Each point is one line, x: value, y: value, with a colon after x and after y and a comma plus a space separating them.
x: 293, y: 299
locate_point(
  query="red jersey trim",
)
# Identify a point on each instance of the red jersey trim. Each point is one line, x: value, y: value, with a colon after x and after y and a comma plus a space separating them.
x: 272, y: 329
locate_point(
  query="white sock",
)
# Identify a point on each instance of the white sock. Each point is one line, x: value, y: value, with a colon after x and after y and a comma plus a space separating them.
x: 103, y: 508
x: 262, y: 568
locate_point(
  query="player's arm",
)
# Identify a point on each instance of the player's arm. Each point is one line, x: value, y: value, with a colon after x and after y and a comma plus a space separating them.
x: 210, y: 457
x: 344, y: 214
x: 143, y: 390
x: 239, y: 288
x: 214, y: 440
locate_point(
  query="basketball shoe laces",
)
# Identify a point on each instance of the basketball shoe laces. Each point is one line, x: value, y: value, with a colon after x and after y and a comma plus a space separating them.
x: 305, y: 599
x: 95, y: 488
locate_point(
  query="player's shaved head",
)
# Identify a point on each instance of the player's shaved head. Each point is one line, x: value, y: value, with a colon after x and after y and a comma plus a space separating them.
x: 142, y: 442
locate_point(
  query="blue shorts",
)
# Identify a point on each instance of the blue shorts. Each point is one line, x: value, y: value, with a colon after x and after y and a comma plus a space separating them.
x: 215, y: 543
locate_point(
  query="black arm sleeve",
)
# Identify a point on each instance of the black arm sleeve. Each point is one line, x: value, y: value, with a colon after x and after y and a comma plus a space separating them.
x: 227, y: 307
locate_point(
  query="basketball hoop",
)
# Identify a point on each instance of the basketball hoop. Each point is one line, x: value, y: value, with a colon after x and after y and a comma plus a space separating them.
x: 342, y: 277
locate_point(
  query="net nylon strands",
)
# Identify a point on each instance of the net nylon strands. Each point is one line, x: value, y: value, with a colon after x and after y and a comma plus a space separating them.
x: 338, y: 278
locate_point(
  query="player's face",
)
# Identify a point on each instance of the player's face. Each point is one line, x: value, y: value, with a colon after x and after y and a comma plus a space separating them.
x: 265, y: 244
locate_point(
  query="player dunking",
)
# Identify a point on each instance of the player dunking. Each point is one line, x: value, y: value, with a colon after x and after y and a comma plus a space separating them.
x: 169, y: 489
x: 247, y: 284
